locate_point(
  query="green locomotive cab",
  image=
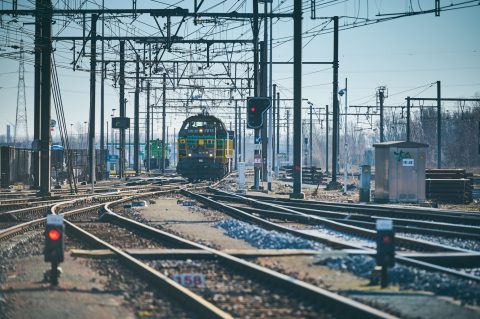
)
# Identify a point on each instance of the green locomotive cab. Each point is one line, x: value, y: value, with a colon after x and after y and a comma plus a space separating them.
x: 156, y: 154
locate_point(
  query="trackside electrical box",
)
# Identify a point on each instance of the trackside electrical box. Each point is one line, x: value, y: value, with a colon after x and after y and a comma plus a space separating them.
x: 400, y: 172
x: 54, y: 239
x: 385, y: 243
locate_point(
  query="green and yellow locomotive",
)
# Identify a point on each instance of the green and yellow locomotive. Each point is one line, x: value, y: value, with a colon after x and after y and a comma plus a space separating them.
x: 205, y: 148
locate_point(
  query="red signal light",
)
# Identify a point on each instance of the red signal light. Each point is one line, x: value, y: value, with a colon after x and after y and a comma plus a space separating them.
x: 252, y: 109
x: 54, y: 234
x: 387, y: 239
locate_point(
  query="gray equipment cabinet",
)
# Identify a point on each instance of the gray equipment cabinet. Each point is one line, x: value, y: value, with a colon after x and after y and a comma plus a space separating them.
x: 400, y: 172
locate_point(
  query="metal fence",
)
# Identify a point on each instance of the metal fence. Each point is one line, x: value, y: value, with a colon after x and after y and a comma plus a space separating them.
x: 14, y: 166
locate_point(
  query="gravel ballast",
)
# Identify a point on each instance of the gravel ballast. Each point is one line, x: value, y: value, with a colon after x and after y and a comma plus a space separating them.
x: 265, y: 239
x: 452, y: 242
x: 410, y: 278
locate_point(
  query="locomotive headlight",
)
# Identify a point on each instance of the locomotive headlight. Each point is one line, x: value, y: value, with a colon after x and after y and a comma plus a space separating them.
x: 200, y: 130
x: 211, y: 155
x: 189, y: 154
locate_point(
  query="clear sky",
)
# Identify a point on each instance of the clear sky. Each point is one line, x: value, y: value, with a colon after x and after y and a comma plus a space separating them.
x: 406, y: 55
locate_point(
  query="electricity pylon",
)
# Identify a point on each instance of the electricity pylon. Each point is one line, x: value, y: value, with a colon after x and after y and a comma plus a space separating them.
x: 21, y: 124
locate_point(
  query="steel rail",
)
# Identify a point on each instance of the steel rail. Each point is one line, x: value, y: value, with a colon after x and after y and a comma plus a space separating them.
x: 33, y: 224
x: 14, y: 215
x: 25, y: 204
x: 237, y: 213
x: 410, y: 228
x: 364, y: 224
x: 200, y: 306
x: 16, y: 200
x: 436, y: 228
x: 404, y: 221
x: 468, y: 218
x: 349, y: 307
x: 340, y: 226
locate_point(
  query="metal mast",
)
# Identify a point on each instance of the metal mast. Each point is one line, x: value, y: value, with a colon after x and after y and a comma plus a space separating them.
x: 21, y: 124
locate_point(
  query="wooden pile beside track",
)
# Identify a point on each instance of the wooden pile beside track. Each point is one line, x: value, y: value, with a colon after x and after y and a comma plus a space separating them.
x: 310, y: 175
x: 448, y: 186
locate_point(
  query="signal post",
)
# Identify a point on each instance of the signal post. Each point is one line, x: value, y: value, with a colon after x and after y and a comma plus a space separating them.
x: 54, y: 246
x: 256, y: 108
x: 385, y: 248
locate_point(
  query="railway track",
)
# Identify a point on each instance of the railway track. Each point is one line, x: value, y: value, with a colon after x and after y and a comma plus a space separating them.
x: 363, y: 220
x: 419, y: 213
x: 200, y: 298
x: 34, y: 217
x: 222, y: 269
x: 446, y: 255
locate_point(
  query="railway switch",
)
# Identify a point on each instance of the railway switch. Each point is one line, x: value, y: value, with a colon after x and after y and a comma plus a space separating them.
x: 385, y: 247
x: 256, y: 106
x: 54, y: 245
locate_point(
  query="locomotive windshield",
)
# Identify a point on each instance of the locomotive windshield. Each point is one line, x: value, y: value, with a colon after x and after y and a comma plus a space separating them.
x: 194, y: 125
x: 197, y: 124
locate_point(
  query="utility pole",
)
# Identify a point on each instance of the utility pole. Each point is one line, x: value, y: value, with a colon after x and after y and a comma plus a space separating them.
x: 168, y: 142
x: 326, y: 140
x: 408, y: 119
x: 288, y: 136
x: 174, y: 145
x: 37, y: 94
x: 107, y: 168
x: 147, y: 133
x: 263, y: 92
x: 297, y: 101
x: 129, y: 149
x: 273, y: 94
x: 335, y: 102
x: 102, y: 98
x: 91, y: 129
x: 239, y: 139
x: 164, y: 145
x: 381, y: 97
x: 345, y: 164
x: 113, y: 133
x: 439, y: 126
x: 121, y: 160
x: 244, y: 140
x: 271, y: 111
x: 45, y: 11
x: 278, y: 132
x: 310, y: 137
x: 256, y: 90
x: 236, y: 136
x: 136, y: 120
